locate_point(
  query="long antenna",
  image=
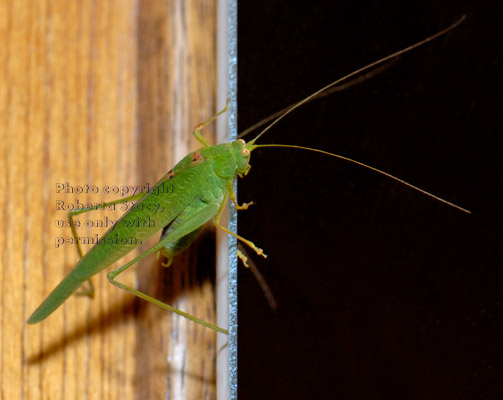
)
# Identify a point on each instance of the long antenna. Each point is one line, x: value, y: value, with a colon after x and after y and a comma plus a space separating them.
x: 333, y: 89
x: 359, y: 71
x: 291, y: 146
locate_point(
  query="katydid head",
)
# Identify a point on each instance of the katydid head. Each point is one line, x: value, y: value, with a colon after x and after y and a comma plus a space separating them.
x: 241, y: 151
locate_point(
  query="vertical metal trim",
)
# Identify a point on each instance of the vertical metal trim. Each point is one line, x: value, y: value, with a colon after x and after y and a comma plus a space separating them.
x: 233, y: 276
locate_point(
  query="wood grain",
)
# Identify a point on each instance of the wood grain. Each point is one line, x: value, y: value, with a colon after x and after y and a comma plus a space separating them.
x: 99, y: 93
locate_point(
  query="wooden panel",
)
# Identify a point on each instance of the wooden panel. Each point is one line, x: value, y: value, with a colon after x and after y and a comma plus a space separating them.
x: 99, y: 93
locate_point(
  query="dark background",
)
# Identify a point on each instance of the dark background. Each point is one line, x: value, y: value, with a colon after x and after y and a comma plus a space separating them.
x: 382, y: 291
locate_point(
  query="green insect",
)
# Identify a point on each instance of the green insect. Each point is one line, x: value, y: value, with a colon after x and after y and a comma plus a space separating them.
x: 194, y: 192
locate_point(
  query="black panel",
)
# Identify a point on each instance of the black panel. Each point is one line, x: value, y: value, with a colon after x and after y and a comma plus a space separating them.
x: 382, y: 291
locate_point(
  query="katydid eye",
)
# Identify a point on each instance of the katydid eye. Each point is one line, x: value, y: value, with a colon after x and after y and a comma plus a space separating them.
x: 242, y: 141
x: 245, y: 153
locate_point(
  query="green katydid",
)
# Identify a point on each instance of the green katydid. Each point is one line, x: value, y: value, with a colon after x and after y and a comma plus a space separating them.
x: 194, y: 192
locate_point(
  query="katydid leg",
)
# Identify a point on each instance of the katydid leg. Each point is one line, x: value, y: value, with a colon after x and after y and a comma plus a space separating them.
x: 216, y: 222
x: 182, y: 230
x: 198, y: 127
x: 233, y: 198
x: 89, y: 291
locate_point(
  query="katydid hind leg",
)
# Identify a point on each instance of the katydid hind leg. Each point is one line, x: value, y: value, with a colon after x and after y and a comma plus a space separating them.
x: 195, y: 222
x: 89, y: 290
